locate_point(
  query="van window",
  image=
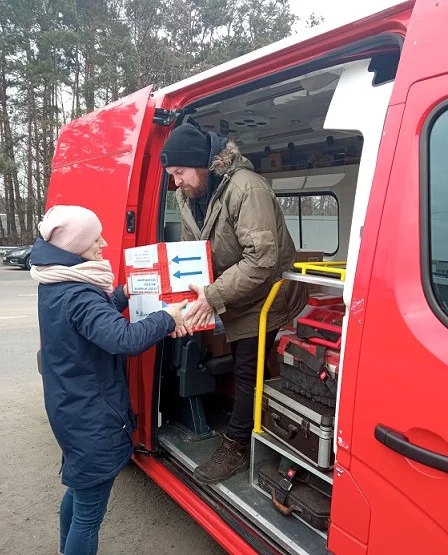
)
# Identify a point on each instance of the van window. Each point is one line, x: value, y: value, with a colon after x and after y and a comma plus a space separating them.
x: 312, y: 221
x: 438, y: 207
x: 172, y: 212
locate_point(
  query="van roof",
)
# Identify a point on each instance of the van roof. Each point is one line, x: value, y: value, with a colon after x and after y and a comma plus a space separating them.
x: 304, y: 36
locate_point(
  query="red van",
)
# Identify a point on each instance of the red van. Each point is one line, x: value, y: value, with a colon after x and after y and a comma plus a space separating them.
x: 350, y: 128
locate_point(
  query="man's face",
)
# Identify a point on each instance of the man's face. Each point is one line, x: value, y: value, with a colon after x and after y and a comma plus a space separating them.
x: 192, y: 181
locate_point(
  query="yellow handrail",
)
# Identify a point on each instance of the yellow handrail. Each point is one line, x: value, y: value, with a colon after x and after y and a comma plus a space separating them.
x: 261, y: 353
x: 327, y: 267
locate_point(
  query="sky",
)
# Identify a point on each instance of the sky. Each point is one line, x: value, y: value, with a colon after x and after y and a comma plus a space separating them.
x: 335, y: 11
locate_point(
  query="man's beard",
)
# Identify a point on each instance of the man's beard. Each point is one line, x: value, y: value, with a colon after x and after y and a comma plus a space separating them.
x: 201, y: 189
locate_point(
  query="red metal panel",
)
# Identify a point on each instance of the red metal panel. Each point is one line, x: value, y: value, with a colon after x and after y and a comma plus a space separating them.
x: 424, y: 52
x: 98, y: 164
x: 351, y: 511
x: 362, y: 283
x: 402, y: 369
x: 345, y: 544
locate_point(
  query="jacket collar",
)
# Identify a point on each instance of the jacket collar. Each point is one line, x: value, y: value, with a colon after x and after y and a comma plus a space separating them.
x: 46, y: 254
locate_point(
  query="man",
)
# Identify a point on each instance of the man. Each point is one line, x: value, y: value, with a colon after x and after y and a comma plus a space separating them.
x: 222, y: 200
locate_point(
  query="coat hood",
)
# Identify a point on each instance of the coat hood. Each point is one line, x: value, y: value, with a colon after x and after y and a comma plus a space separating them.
x: 229, y: 159
x: 46, y: 254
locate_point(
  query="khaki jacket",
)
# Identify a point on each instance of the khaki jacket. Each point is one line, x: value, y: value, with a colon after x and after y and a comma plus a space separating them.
x: 251, y: 248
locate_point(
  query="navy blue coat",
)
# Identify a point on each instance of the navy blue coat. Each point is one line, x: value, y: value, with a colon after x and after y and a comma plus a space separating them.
x: 84, y: 344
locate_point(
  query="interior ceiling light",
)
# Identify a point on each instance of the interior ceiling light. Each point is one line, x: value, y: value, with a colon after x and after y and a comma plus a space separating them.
x: 317, y: 123
x: 250, y: 122
x: 292, y: 97
x: 275, y: 94
x: 318, y: 82
x: 307, y: 85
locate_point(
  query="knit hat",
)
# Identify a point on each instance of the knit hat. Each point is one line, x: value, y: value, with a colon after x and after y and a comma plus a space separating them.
x: 186, y: 147
x: 72, y: 228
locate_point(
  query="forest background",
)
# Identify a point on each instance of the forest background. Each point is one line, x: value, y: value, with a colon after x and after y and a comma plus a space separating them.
x: 62, y: 58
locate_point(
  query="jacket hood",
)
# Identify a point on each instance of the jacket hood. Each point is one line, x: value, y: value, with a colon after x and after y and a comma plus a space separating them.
x: 46, y: 254
x: 229, y: 159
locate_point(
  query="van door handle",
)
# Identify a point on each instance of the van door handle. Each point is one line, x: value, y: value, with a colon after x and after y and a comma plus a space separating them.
x: 401, y: 444
x: 130, y: 221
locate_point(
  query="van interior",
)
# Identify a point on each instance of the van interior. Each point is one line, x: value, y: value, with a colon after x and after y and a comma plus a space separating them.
x: 314, y: 135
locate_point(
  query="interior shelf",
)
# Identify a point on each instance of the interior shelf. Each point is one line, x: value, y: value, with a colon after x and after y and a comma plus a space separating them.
x: 317, y: 280
x: 281, y: 448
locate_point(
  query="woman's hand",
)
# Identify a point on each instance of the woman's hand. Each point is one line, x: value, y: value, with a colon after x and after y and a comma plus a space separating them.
x: 175, y: 311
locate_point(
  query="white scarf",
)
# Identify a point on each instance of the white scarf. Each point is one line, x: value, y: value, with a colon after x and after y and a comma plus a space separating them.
x: 95, y: 272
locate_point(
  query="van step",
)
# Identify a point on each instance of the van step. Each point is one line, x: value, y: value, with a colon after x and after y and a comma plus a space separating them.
x: 291, y: 534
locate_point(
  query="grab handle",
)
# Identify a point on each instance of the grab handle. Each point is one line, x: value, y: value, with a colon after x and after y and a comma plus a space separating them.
x: 400, y: 443
x: 288, y: 433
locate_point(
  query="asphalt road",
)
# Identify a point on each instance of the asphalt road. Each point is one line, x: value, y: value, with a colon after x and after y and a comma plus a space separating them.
x: 141, y: 518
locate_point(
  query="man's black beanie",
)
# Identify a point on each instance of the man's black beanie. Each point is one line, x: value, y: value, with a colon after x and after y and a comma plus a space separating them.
x: 186, y: 147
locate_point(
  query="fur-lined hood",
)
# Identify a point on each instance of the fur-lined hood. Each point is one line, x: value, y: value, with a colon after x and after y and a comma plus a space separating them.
x: 229, y: 158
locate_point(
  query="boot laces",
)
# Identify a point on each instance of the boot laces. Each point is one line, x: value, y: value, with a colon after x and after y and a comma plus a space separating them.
x: 222, y: 452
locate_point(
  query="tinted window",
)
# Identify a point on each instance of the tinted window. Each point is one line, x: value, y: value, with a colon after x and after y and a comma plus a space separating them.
x: 438, y: 207
x: 312, y: 221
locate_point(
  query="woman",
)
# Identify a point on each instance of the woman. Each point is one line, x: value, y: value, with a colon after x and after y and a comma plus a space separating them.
x: 84, y: 342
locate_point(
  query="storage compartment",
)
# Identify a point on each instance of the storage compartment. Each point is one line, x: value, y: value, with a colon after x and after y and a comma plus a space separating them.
x: 308, y: 369
x: 305, y: 426
x: 294, y: 492
x: 322, y: 326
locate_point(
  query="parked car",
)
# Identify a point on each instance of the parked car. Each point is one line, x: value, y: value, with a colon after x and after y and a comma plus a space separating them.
x: 19, y: 257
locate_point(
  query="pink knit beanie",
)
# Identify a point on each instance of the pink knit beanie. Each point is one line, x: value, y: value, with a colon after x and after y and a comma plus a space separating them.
x: 72, y: 228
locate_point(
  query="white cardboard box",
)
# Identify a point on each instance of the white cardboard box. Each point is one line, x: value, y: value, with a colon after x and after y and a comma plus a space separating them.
x: 159, y: 275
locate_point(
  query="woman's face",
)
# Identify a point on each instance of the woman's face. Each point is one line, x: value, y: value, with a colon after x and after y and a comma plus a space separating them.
x: 96, y: 250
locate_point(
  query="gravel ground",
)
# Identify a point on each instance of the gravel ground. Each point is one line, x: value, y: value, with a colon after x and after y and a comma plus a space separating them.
x: 141, y: 518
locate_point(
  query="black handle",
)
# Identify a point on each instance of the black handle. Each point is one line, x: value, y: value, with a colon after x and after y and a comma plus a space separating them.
x: 130, y: 221
x: 401, y: 444
x: 288, y: 433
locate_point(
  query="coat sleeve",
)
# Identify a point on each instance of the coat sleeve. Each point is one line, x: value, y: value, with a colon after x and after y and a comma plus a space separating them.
x: 119, y: 299
x: 256, y: 230
x: 99, y: 322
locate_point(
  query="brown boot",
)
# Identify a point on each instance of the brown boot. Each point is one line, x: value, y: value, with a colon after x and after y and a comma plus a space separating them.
x: 229, y: 457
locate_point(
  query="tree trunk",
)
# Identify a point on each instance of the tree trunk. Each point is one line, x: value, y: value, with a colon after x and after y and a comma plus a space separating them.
x: 10, y: 173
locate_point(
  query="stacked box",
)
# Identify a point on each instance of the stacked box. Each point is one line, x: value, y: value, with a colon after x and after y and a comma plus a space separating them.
x: 308, y: 369
x: 158, y: 275
x: 309, y: 356
x: 305, y: 426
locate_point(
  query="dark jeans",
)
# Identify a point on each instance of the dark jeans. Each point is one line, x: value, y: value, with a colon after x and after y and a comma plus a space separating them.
x: 244, y: 353
x: 82, y: 512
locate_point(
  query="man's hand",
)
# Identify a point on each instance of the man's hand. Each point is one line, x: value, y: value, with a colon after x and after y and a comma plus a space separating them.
x: 200, y: 313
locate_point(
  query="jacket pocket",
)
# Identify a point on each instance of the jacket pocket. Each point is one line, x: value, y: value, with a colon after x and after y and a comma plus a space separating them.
x: 119, y: 438
x: 265, y: 247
